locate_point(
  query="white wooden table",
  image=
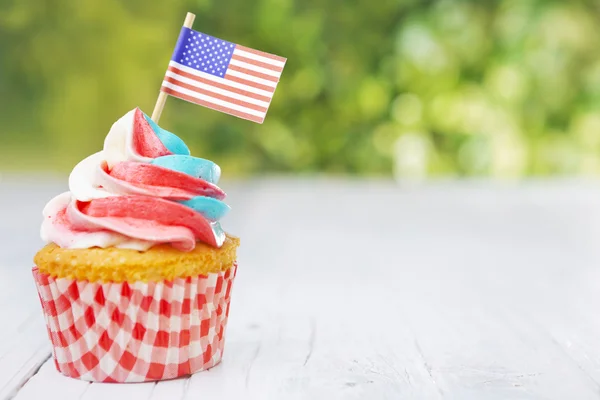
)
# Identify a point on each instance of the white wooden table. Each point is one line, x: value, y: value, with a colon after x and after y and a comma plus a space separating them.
x: 364, y: 290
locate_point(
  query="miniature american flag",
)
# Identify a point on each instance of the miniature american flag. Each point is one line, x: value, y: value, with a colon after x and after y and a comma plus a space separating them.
x: 224, y: 76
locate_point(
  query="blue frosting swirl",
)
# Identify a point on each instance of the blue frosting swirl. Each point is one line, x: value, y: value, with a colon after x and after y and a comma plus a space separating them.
x: 181, y: 160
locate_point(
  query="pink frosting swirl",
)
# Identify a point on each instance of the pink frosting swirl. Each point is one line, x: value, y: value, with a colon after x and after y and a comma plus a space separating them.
x: 136, y: 193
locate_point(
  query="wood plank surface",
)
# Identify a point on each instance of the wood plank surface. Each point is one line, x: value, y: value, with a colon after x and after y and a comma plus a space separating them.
x: 366, y: 290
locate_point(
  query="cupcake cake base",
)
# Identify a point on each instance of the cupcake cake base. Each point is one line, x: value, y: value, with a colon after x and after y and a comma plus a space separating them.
x: 122, y: 315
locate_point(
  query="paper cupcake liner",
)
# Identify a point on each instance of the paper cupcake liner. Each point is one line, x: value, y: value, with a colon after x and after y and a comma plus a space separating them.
x: 136, y: 332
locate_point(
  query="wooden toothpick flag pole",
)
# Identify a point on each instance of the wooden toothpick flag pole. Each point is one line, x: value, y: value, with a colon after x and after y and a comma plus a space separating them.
x: 162, y: 96
x: 221, y: 75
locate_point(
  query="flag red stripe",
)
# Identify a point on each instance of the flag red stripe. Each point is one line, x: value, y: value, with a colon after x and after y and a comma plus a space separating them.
x: 260, y: 53
x: 257, y: 63
x: 253, y: 73
x: 215, y: 95
x: 220, y: 85
x: 211, y: 105
x: 249, y: 83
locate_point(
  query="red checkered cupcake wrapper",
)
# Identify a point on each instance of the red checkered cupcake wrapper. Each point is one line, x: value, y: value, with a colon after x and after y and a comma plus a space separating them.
x: 136, y: 332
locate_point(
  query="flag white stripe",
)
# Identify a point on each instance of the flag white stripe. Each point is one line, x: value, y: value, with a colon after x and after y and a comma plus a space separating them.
x: 255, y: 68
x: 217, y: 90
x: 251, y: 78
x: 256, y: 57
x: 213, y: 78
x: 212, y: 100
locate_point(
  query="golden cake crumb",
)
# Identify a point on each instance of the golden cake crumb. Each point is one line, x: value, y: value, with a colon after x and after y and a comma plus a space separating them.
x: 159, y: 263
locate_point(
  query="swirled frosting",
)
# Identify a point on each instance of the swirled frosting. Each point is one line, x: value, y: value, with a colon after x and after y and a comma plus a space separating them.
x: 142, y: 189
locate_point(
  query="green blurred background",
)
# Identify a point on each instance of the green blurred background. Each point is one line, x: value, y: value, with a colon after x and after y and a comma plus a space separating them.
x: 372, y: 87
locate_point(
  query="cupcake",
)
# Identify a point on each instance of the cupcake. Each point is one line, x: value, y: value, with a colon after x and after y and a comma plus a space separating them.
x: 135, y: 281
